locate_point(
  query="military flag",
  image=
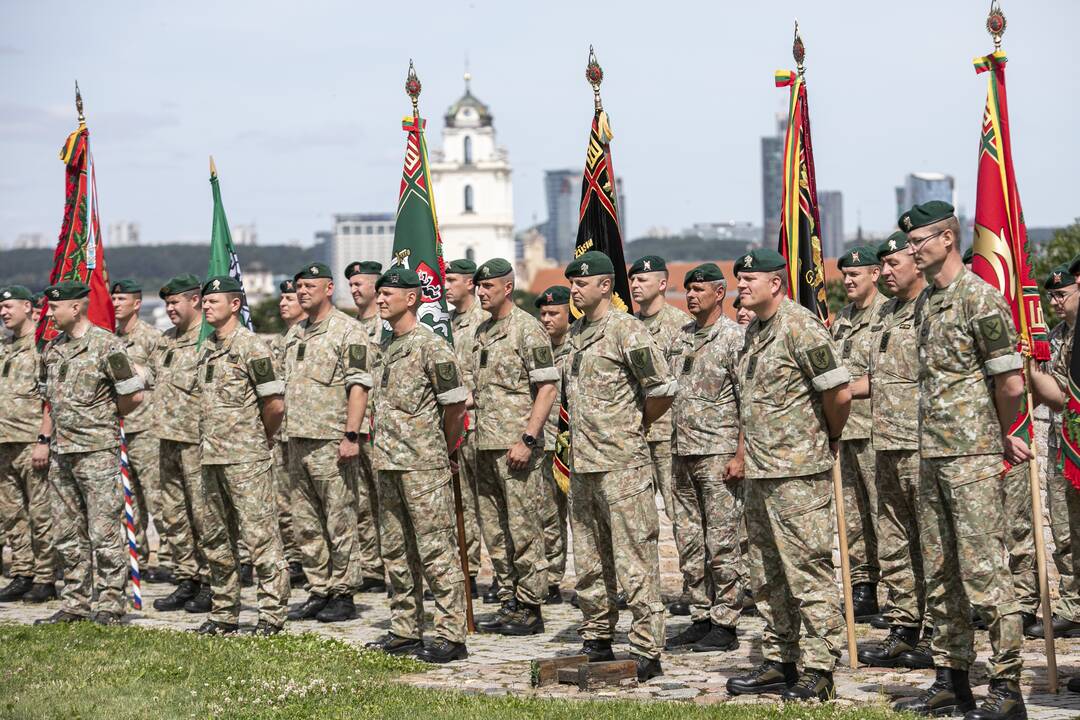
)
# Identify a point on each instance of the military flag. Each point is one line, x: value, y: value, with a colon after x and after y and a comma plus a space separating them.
x: 223, y: 259
x: 800, y: 224
x: 417, y: 244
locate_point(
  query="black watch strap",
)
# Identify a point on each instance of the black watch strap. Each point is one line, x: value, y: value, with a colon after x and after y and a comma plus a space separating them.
x: 43, y: 439
x: 352, y: 436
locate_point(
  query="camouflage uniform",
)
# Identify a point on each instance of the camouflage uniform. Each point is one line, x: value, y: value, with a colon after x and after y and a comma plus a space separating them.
x: 234, y: 373
x: 853, y: 336
x: 464, y: 326
x: 323, y: 361
x: 708, y: 511
x: 26, y: 521
x: 143, y: 446
x: 368, y: 557
x: 554, y: 517
x: 787, y: 362
x: 614, y: 364
x: 283, y: 485
x: 511, y: 356
x: 1062, y: 498
x: 417, y: 373
x: 894, y: 371
x: 81, y: 378
x: 965, y: 336
x: 1020, y: 536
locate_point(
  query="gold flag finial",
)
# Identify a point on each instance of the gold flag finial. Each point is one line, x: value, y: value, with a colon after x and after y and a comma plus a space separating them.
x: 594, y: 74
x: 412, y: 89
x: 995, y: 23
x: 213, y: 167
x: 78, y: 104
x: 798, y: 50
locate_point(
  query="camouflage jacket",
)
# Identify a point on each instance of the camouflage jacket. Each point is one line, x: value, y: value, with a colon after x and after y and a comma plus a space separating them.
x: 510, y: 357
x: 143, y: 344
x: 613, y: 365
x: 666, y: 329
x: 82, y: 378
x: 1060, y: 351
x: 323, y: 362
x: 706, y: 409
x: 464, y: 326
x: 417, y: 374
x: 894, y: 377
x: 966, y: 337
x: 785, y: 365
x: 177, y: 393
x: 20, y: 396
x: 277, y: 352
x: 374, y: 328
x: 234, y: 374
x: 853, y: 336
x: 551, y: 427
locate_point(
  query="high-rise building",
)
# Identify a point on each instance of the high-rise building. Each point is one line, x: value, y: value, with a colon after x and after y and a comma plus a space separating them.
x: 244, y: 234
x: 923, y: 187
x: 122, y: 234
x: 358, y: 236
x: 831, y: 215
x: 562, y: 189
x: 772, y: 183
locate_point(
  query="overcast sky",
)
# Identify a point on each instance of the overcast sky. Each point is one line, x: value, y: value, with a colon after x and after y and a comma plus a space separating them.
x: 301, y: 103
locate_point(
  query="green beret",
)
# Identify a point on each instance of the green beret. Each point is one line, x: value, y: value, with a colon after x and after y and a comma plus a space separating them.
x: 554, y: 295
x: 760, y: 260
x: 127, y: 285
x: 705, y: 272
x: 221, y: 284
x: 179, y: 284
x: 314, y: 271
x: 1059, y: 278
x: 363, y: 267
x: 861, y: 256
x: 463, y: 266
x: 926, y: 214
x: 494, y: 268
x: 287, y: 287
x: 16, y: 292
x: 39, y: 297
x: 67, y: 290
x: 591, y: 263
x: 398, y: 277
x: 895, y: 242
x: 1074, y: 266
x: 649, y: 263
x: 969, y: 255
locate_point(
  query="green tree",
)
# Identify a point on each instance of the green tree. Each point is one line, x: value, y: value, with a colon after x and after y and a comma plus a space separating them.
x: 265, y: 318
x: 837, y: 298
x: 525, y: 300
x: 1061, y: 250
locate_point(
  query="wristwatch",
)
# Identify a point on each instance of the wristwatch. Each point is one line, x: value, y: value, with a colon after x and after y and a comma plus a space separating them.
x: 43, y: 439
x: 352, y: 436
x: 529, y: 440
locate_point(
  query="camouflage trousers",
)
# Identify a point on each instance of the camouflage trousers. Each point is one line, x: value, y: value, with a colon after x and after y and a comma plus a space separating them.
x: 708, y: 513
x: 26, y: 514
x: 324, y: 515
x: 240, y: 501
x: 283, y: 494
x: 419, y: 544
x: 553, y: 520
x: 470, y: 503
x: 511, y: 506
x: 615, y: 530
x: 144, y: 461
x: 1020, y: 537
x: 962, y: 530
x: 660, y: 451
x: 182, y: 501
x: 898, y: 537
x: 857, y: 469
x: 88, y: 498
x: 367, y: 559
x: 1064, y: 502
x: 789, y: 523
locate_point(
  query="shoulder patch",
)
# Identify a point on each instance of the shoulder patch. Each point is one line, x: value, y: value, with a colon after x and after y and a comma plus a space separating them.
x: 446, y: 377
x: 642, y: 363
x: 120, y: 366
x: 358, y: 357
x: 262, y: 370
x: 822, y: 359
x: 992, y: 329
x: 542, y: 356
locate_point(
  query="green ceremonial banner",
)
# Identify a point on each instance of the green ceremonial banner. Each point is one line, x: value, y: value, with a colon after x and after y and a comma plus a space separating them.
x: 223, y: 259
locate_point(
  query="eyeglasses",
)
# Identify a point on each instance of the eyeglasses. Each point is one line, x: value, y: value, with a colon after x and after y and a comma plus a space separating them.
x: 1061, y: 295
x: 917, y: 245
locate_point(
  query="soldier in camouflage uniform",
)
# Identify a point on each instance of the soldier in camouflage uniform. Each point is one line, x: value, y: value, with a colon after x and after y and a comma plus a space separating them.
x: 143, y: 342
x: 554, y: 307
x: 419, y: 416
x: 290, y: 312
x: 88, y: 379
x: 852, y: 333
x: 240, y: 411
x: 618, y: 383
x: 793, y: 402
x: 514, y: 374
x: 464, y: 320
x: 970, y: 391
x: 25, y: 496
x: 327, y: 379
x: 708, y: 465
x: 368, y: 557
x: 894, y: 399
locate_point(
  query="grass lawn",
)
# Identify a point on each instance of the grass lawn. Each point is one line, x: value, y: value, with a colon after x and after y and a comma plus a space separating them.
x: 86, y: 671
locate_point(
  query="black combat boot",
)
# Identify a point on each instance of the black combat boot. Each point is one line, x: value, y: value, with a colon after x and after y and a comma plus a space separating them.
x: 247, y: 575
x: 679, y: 608
x: 106, y: 617
x: 719, y: 639
x: 159, y: 576
x: 527, y: 620
x: 392, y: 644
x: 19, y: 586
x: 442, y: 651
x: 308, y: 609
x: 202, y: 602
x: 265, y: 628
x: 864, y: 601
x: 338, y: 609
x: 922, y: 657
x: 620, y: 601
x: 1030, y: 621
x: 39, y: 593
x: 597, y: 650
x: 949, y: 695
x: 554, y: 596
x: 496, y: 621
x: 1063, y: 628
x: 474, y: 591
x: 186, y: 590
x: 696, y: 630
x: 372, y: 585
x: 887, y: 653
x: 812, y: 685
x: 768, y: 677
x: 880, y: 622
x: 297, y: 578
x: 1074, y: 685
x: 977, y: 621
x: 492, y: 595
x: 61, y: 616
x: 213, y: 627
x: 1004, y: 702
x: 647, y: 668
